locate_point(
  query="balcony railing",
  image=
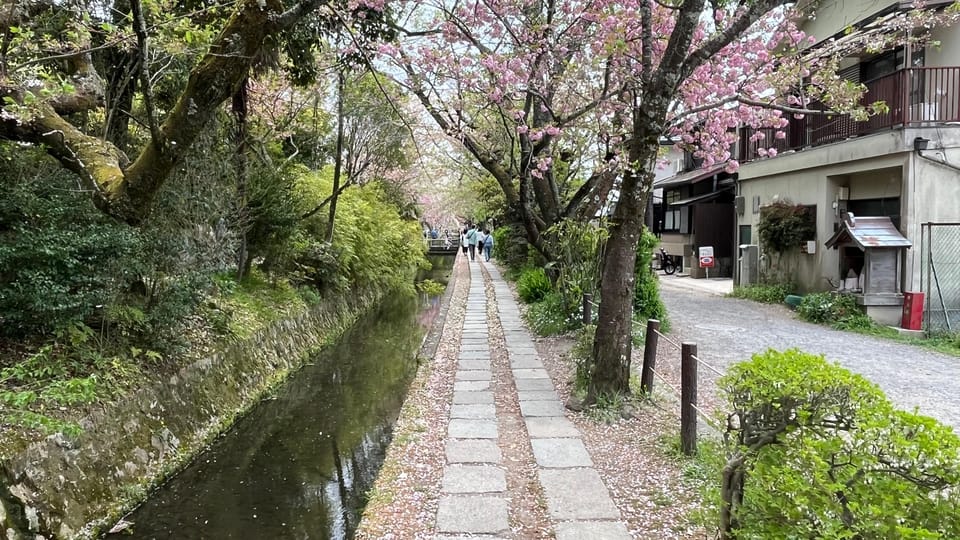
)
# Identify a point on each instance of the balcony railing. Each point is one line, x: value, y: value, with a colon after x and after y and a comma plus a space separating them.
x: 914, y: 96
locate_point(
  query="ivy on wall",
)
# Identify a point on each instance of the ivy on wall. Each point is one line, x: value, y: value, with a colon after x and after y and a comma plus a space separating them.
x: 783, y: 226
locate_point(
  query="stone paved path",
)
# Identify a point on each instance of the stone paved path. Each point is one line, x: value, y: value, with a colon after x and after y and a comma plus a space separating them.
x: 474, y: 499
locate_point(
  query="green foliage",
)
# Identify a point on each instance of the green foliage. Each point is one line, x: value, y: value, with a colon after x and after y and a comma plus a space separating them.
x: 820, y: 452
x: 257, y: 301
x: 430, y: 287
x: 510, y: 247
x: 835, y: 309
x: 783, y: 226
x: 646, y: 295
x: 552, y: 315
x: 533, y: 285
x: 60, y: 258
x: 579, y: 251
x: 372, y: 245
x: 766, y: 294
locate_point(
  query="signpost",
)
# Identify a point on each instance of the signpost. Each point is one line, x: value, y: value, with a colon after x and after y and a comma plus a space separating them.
x: 707, y: 260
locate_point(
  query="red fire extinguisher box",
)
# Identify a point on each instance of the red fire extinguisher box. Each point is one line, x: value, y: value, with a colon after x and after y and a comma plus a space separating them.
x: 912, y: 318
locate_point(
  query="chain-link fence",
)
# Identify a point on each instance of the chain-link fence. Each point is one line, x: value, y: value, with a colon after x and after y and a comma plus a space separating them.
x: 940, y: 276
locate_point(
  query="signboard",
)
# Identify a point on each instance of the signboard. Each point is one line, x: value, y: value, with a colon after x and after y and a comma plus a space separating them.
x: 706, y: 257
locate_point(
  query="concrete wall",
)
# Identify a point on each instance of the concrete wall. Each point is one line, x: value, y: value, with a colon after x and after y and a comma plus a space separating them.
x: 832, y: 16
x: 65, y: 488
x: 948, y: 52
x: 877, y: 166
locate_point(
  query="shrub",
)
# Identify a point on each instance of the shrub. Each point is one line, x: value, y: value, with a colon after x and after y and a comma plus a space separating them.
x: 579, y: 251
x: 552, y: 315
x: 646, y: 295
x: 767, y: 294
x: 814, y: 451
x: 533, y: 285
x: 783, y: 226
x: 510, y: 246
x: 835, y: 309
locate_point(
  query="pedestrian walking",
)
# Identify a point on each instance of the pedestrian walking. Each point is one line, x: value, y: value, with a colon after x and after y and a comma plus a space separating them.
x: 472, y: 241
x: 480, y: 237
x: 487, y: 244
x: 463, y: 240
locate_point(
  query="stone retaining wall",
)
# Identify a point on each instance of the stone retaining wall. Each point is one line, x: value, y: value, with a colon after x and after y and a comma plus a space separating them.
x: 68, y: 488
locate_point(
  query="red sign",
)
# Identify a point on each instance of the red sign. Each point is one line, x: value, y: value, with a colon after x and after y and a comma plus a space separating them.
x: 706, y: 262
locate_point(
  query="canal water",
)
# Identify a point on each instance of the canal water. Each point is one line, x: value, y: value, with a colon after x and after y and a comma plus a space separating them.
x: 299, y: 464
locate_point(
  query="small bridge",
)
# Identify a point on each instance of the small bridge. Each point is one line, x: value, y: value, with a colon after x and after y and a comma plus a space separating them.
x: 447, y: 245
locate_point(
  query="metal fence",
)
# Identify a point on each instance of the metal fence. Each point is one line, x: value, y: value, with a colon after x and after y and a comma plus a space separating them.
x: 940, y: 276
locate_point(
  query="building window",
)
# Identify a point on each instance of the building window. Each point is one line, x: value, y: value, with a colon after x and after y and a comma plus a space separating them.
x: 671, y: 214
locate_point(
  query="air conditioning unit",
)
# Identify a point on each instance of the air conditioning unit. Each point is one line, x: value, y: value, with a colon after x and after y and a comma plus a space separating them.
x: 738, y: 204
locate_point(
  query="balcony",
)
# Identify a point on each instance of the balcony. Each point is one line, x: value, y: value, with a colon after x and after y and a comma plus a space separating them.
x: 915, y: 97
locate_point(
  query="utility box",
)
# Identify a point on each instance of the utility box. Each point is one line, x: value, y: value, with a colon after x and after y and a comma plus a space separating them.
x: 912, y: 318
x: 749, y: 264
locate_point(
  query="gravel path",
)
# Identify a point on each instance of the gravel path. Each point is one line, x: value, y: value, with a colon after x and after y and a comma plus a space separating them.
x: 728, y: 330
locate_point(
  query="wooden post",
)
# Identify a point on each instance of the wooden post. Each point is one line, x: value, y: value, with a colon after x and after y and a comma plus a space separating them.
x: 649, y: 356
x: 587, y: 315
x: 688, y: 399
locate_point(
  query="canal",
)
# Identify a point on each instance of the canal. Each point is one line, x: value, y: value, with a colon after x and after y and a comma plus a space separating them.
x: 300, y: 463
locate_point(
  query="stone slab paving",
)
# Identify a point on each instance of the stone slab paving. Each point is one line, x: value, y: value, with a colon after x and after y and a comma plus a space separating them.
x: 567, y: 491
x: 472, y: 397
x: 473, y: 479
x: 592, y: 530
x: 560, y: 453
x: 470, y: 386
x: 474, y: 410
x: 577, y: 500
x: 473, y: 451
x: 542, y: 408
x: 466, y: 514
x: 473, y: 490
x: 551, y: 427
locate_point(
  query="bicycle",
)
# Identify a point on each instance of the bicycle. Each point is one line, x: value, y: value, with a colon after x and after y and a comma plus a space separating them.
x: 667, y: 263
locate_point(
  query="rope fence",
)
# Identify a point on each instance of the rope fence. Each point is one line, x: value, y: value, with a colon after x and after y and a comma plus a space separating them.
x: 689, y: 367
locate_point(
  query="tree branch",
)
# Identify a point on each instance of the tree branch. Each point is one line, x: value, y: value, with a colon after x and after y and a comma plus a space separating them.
x: 143, y: 68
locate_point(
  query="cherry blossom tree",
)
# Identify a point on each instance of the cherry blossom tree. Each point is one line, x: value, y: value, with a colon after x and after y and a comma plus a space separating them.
x: 515, y: 80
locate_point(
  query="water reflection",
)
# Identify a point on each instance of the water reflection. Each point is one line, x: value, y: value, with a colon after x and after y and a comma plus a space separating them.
x: 299, y: 464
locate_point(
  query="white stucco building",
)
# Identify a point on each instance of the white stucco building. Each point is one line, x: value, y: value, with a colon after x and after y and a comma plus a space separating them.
x: 873, y: 168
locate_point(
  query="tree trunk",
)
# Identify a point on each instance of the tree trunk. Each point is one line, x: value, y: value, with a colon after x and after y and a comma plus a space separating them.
x: 338, y: 158
x: 613, y: 343
x: 731, y: 496
x: 239, y: 108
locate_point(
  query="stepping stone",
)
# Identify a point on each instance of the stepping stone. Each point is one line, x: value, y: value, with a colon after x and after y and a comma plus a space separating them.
x: 473, y: 410
x: 476, y: 347
x: 472, y: 386
x: 471, y: 363
x: 472, y: 397
x: 592, y: 530
x: 567, y: 491
x: 521, y: 351
x: 473, y: 375
x: 542, y: 408
x: 473, y: 451
x: 468, y: 428
x: 533, y: 384
x: 551, y: 427
x: 560, y: 453
x: 530, y: 374
x: 534, y: 395
x: 475, y: 514
x: 481, y: 355
x: 525, y: 362
x: 473, y: 479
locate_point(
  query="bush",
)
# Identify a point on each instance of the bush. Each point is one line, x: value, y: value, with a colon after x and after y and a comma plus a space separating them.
x: 766, y: 294
x: 552, y: 315
x: 510, y: 247
x: 835, y: 309
x: 646, y: 295
x: 814, y: 451
x: 533, y: 285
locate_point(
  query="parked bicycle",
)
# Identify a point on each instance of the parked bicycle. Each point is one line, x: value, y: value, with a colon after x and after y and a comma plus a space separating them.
x: 667, y: 262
